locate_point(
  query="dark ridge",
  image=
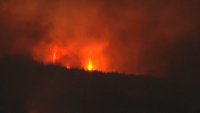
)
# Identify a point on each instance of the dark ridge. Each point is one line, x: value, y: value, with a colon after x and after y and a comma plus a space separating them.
x: 30, y: 87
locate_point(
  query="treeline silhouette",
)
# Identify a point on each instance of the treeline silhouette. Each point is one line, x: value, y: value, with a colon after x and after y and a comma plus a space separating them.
x: 30, y: 87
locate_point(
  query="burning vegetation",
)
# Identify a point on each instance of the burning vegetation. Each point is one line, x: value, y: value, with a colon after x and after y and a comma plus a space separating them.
x: 54, y: 55
x: 89, y: 65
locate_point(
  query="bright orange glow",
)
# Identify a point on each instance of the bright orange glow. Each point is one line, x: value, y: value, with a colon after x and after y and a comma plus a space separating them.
x: 89, y: 65
x: 68, y: 67
x: 54, y: 55
x: 90, y: 57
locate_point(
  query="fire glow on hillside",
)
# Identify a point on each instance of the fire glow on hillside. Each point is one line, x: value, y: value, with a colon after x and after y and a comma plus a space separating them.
x: 61, y: 57
x: 54, y: 59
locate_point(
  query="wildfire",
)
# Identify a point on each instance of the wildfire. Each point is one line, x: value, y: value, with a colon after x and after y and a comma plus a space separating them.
x: 89, y: 65
x: 62, y: 56
x: 54, y: 55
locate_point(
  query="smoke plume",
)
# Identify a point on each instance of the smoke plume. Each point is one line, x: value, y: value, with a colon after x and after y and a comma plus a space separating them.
x: 131, y: 36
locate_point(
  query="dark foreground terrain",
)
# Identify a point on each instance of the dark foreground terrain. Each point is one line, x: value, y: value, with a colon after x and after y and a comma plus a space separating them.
x: 29, y: 87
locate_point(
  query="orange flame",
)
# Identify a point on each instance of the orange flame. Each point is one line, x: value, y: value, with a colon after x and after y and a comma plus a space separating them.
x: 54, y: 55
x: 89, y: 65
x: 68, y: 67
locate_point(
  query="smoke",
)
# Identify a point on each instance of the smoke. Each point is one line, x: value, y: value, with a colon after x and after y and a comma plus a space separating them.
x: 141, y: 37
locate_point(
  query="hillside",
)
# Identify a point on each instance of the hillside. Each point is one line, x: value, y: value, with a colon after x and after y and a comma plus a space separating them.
x: 29, y: 87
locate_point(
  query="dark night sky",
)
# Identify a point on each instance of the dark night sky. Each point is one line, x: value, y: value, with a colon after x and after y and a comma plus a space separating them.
x: 158, y: 39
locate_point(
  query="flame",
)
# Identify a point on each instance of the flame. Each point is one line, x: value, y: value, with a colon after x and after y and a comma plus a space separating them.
x: 89, y: 65
x: 68, y: 67
x: 54, y: 55
x: 88, y: 58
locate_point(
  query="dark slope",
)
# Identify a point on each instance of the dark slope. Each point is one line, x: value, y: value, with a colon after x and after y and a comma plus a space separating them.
x: 29, y: 87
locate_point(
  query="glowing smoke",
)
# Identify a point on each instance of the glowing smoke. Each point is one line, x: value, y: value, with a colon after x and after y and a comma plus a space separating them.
x: 128, y: 36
